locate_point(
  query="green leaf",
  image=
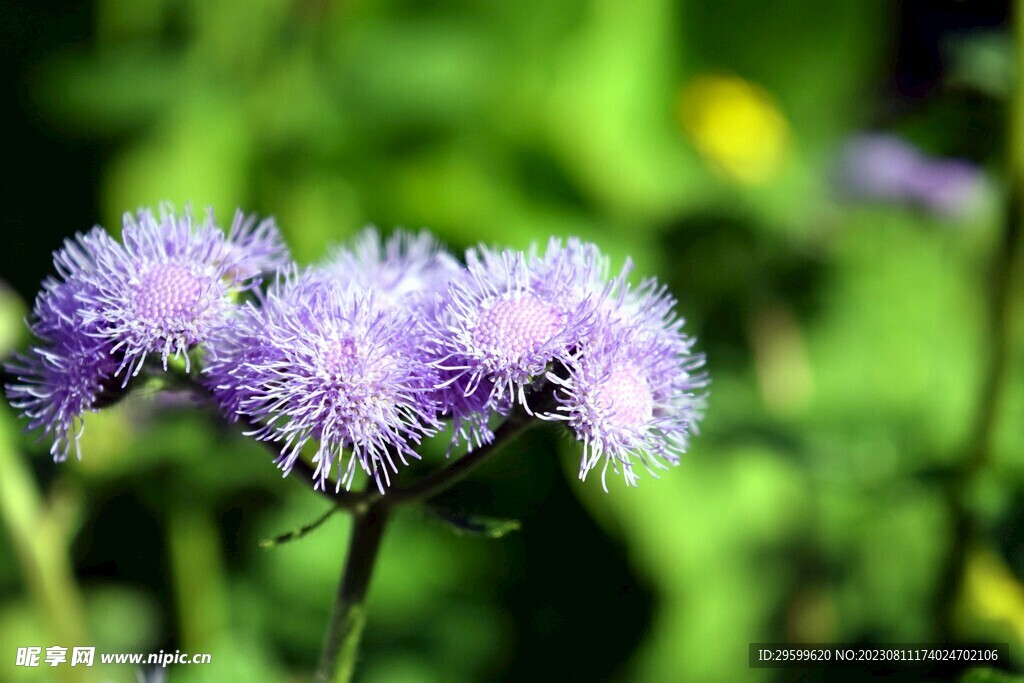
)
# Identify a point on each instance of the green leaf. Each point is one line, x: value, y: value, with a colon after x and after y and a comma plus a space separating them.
x: 471, y: 524
x: 987, y: 675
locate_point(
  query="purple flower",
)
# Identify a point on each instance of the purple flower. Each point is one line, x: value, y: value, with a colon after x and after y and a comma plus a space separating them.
x: 628, y: 392
x: 162, y: 291
x: 469, y: 409
x: 949, y: 187
x: 411, y: 272
x: 320, y: 362
x: 255, y: 247
x: 407, y: 270
x: 166, y: 287
x: 507, y: 319
x: 69, y: 374
x: 879, y: 167
x: 885, y: 167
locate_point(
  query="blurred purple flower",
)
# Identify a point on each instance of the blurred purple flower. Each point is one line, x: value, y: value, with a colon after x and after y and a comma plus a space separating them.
x: 948, y: 187
x: 408, y: 270
x: 886, y: 168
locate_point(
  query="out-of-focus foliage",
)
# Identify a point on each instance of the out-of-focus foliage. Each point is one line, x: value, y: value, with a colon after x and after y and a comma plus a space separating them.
x: 847, y: 344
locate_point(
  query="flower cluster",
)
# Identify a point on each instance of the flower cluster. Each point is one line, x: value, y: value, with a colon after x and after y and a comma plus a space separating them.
x: 161, y: 290
x: 363, y: 356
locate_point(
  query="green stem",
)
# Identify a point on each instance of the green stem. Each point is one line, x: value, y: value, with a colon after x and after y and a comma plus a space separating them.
x: 438, y: 481
x: 341, y: 647
x: 370, y: 510
x: 999, y: 329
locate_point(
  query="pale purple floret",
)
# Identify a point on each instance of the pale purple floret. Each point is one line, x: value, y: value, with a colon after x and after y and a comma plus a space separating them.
x: 629, y: 393
x: 887, y: 168
x: 255, y: 246
x: 879, y: 166
x: 164, y: 290
x: 469, y: 410
x: 366, y: 355
x: 408, y: 270
x: 319, y: 362
x: 949, y: 187
x: 69, y: 374
x: 507, y: 319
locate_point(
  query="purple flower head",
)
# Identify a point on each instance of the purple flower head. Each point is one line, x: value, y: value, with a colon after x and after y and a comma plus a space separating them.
x: 628, y: 392
x: 469, y: 409
x: 68, y: 374
x: 320, y: 362
x: 949, y: 187
x: 408, y: 270
x: 887, y: 168
x: 163, y: 290
x: 111, y: 304
x: 507, y: 319
x: 879, y: 167
x: 255, y: 247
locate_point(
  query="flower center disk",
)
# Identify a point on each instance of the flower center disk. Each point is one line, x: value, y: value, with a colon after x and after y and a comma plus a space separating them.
x: 168, y: 292
x: 512, y: 329
x: 340, y: 359
x: 627, y: 398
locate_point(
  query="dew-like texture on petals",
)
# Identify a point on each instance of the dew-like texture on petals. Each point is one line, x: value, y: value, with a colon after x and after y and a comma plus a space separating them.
x: 320, y: 362
x: 164, y: 288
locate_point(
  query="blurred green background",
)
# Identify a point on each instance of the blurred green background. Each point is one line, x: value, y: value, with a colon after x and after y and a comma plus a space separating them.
x: 850, y: 340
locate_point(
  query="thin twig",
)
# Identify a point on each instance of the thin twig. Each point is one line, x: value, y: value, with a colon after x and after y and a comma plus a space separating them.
x: 979, y: 449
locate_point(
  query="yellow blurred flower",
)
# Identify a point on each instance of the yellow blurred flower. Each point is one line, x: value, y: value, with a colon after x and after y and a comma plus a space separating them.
x: 736, y: 126
x: 993, y: 593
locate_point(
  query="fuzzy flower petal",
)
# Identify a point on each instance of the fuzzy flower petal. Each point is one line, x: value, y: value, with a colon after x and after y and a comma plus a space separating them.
x: 412, y: 272
x: 67, y: 375
x: 406, y: 270
x: 317, y: 362
x: 629, y: 393
x: 163, y: 290
x: 506, y: 320
x: 111, y: 304
x: 255, y: 247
